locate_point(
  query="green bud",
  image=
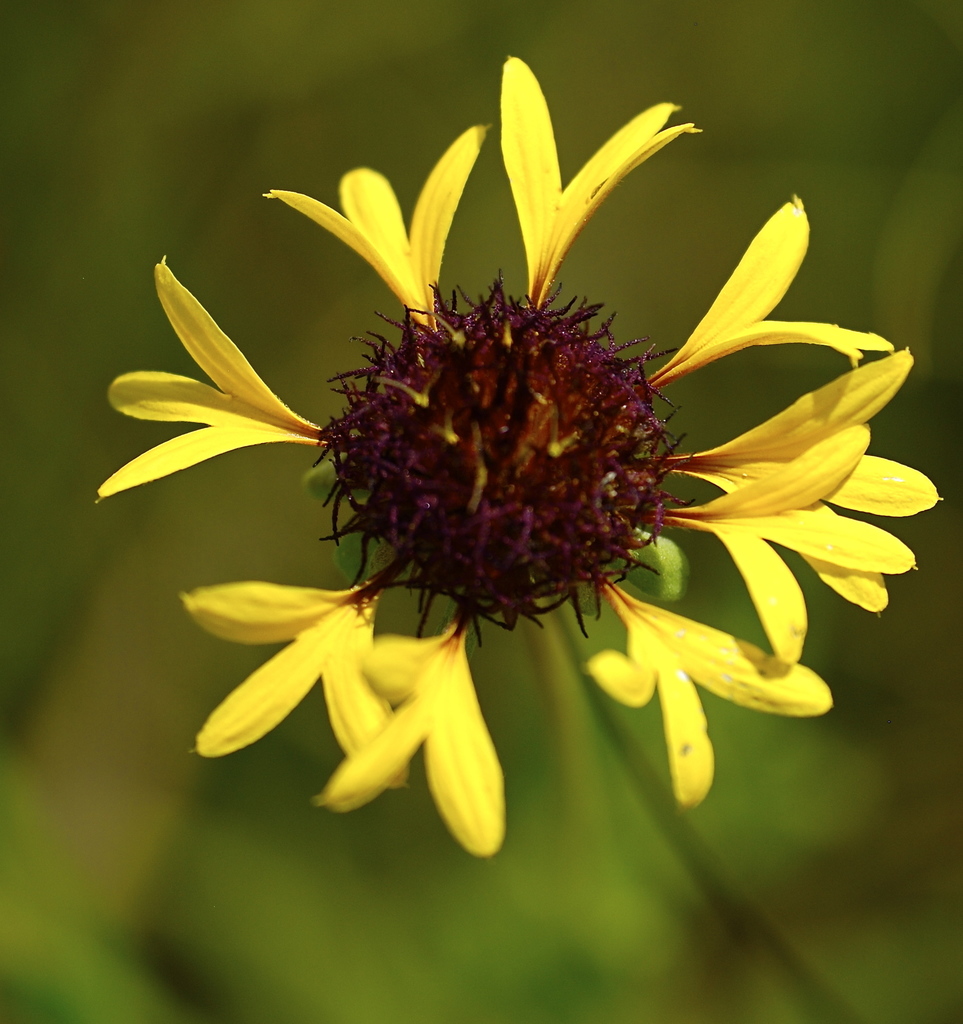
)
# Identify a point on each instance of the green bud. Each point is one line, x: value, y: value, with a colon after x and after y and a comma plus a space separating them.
x: 662, y: 570
x: 348, y: 557
x: 319, y: 480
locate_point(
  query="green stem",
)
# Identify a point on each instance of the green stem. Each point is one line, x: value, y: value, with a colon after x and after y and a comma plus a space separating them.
x: 563, y: 693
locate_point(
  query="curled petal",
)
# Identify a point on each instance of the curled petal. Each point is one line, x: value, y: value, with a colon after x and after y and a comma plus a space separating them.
x: 370, y: 770
x: 866, y: 589
x: 627, y: 680
x: 677, y: 651
x: 395, y: 664
x: 442, y: 711
x: 189, y: 449
x: 885, y: 488
x: 356, y: 712
x: 730, y: 668
x: 775, y: 593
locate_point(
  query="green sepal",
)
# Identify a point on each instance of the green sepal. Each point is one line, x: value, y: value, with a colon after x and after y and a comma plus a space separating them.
x: 662, y: 570
x: 471, y: 634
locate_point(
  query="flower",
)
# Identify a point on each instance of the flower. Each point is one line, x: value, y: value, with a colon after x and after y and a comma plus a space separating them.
x: 506, y: 456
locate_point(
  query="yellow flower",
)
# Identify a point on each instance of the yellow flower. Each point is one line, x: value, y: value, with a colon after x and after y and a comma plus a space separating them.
x: 507, y: 457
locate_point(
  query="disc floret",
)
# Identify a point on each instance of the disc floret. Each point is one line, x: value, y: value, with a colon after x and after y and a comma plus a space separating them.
x: 507, y: 453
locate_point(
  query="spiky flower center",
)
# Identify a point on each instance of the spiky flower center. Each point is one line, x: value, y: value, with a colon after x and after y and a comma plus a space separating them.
x: 508, y: 454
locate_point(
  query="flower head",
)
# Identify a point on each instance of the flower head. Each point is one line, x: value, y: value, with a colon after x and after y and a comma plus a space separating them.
x: 508, y: 456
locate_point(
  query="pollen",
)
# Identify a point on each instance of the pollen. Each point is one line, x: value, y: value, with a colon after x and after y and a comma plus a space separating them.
x: 507, y: 453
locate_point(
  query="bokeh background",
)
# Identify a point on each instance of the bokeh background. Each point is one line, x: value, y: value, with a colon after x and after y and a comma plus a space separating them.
x: 138, y: 883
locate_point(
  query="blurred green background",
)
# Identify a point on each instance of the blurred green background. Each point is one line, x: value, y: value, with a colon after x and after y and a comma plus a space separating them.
x: 138, y: 883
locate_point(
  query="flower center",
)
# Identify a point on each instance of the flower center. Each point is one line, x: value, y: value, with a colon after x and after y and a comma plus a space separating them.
x: 508, y: 454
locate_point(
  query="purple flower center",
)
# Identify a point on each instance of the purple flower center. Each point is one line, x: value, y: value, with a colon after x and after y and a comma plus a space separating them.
x: 508, y: 454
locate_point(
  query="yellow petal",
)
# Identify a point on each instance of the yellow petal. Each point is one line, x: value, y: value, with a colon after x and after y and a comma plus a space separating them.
x: 352, y: 236
x: 531, y: 160
x: 774, y: 591
x: 851, y: 399
x: 585, y: 193
x: 730, y: 668
x: 464, y: 775
x: 395, y: 664
x: 851, y: 344
x: 799, y: 483
x: 148, y: 395
x: 267, y: 696
x: 629, y: 681
x: 217, y: 355
x: 373, y: 768
x: 261, y: 613
x: 691, y: 760
x: 357, y: 714
x: 369, y: 202
x: 866, y: 589
x: 679, y: 651
x: 757, y: 284
x: 340, y: 630
x: 886, y: 488
x: 437, y: 204
x: 189, y: 449
x: 370, y: 770
x: 819, y: 533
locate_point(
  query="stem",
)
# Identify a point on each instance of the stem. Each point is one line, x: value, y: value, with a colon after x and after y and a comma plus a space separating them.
x: 563, y: 692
